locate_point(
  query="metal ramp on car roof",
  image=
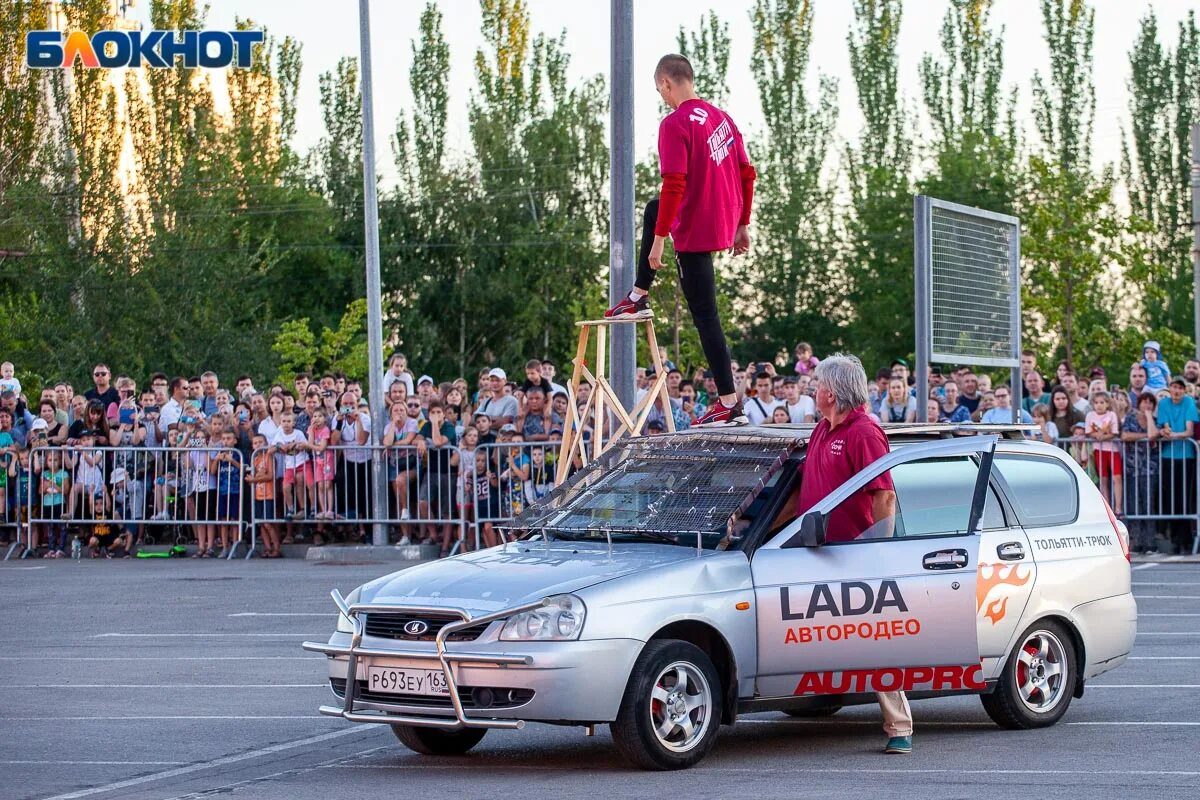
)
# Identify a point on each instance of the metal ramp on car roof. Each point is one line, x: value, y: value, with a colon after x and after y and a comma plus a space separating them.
x: 690, y: 481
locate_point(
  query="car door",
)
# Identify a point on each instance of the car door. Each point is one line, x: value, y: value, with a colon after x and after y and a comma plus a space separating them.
x: 880, y: 614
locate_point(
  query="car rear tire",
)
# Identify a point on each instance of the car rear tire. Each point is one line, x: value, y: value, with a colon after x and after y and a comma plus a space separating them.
x: 1038, y: 680
x: 813, y: 713
x: 438, y: 742
x: 671, y: 710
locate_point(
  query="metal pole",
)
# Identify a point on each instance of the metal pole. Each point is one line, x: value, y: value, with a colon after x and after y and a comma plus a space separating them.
x: 1196, y: 234
x: 922, y: 323
x: 1014, y: 380
x: 374, y: 304
x: 623, y: 355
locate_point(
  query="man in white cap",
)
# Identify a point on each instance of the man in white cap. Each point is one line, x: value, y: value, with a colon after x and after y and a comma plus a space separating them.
x: 426, y: 389
x: 501, y: 407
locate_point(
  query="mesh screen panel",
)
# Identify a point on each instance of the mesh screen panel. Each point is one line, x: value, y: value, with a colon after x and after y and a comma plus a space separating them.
x: 669, y: 484
x: 972, y: 285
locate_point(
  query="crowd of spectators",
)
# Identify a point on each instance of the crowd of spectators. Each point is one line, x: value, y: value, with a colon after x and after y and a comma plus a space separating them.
x: 115, y: 465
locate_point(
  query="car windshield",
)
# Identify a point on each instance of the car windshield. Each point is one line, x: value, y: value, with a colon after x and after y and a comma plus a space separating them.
x: 662, y: 488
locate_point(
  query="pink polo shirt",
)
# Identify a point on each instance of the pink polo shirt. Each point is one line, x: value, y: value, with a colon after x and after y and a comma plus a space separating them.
x: 702, y: 142
x: 832, y: 458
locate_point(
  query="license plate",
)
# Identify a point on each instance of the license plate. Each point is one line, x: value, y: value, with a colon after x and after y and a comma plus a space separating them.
x: 404, y: 680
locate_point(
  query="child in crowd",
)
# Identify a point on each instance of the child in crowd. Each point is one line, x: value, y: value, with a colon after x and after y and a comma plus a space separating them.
x: 319, y: 470
x: 486, y: 497
x: 200, y: 498
x: 1158, y: 374
x: 513, y: 473
x: 780, y: 416
x: 106, y: 536
x: 227, y: 466
x: 806, y: 362
x: 262, y: 478
x: 87, y: 485
x: 1102, y: 425
x: 55, y: 485
x: 125, y: 500
x: 18, y: 474
x: 541, y: 477
x: 1048, y: 430
x: 293, y: 444
x: 9, y: 383
x: 401, y: 432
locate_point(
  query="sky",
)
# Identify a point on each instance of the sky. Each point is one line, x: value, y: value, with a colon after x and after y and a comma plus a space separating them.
x: 329, y: 30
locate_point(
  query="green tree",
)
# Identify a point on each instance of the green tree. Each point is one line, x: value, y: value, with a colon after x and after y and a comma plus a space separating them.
x: 535, y: 227
x: 879, y: 223
x: 790, y: 281
x: 1071, y: 230
x: 1164, y: 100
x: 974, y: 144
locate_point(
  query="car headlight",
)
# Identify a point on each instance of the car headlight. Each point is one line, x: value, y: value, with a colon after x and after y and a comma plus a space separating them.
x: 560, y: 620
x: 343, y: 622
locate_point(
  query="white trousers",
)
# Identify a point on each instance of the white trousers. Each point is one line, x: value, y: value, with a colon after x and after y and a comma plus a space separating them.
x: 897, y: 716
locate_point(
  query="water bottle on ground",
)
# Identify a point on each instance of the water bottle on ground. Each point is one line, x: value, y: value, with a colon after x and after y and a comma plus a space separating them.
x: 76, y: 548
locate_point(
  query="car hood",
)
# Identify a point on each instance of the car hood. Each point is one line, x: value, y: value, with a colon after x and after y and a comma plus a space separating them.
x: 517, y: 573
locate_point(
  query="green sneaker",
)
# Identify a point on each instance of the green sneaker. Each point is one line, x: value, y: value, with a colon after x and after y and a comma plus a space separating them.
x: 899, y: 744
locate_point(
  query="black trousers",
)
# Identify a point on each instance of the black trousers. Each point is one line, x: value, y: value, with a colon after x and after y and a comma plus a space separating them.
x: 699, y: 286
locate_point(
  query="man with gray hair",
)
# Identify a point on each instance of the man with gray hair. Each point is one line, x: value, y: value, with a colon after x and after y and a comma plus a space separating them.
x: 845, y: 442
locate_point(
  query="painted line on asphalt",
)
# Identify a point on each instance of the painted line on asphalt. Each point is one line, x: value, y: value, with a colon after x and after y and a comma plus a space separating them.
x: 176, y: 717
x: 227, y: 788
x: 58, y: 762
x: 284, y: 614
x: 1140, y: 615
x: 203, y: 635
x: 1142, y: 566
x: 167, y: 686
x: 203, y: 765
x: 162, y: 658
x: 25, y: 569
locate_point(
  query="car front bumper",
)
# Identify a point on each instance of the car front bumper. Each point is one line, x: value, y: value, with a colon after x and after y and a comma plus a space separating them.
x: 578, y: 682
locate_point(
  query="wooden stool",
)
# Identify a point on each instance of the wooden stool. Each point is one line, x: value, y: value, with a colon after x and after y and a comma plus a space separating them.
x: 603, y: 397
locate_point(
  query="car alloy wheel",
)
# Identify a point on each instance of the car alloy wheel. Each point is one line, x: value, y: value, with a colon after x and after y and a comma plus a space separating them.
x: 1041, y: 671
x: 681, y: 706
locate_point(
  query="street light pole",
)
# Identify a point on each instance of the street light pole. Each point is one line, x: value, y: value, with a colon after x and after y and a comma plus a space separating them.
x: 623, y: 353
x: 379, y: 535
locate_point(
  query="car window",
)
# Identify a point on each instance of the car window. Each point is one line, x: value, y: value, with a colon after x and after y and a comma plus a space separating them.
x: 933, y: 498
x: 1042, y: 490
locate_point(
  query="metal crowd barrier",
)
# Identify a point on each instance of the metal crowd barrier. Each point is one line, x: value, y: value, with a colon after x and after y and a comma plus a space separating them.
x: 140, y: 494
x: 515, y: 476
x: 1153, y: 485
x: 334, y: 488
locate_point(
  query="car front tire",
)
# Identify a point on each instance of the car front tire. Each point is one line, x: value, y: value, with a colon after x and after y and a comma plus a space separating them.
x: 671, y: 711
x: 1038, y: 680
x: 438, y: 742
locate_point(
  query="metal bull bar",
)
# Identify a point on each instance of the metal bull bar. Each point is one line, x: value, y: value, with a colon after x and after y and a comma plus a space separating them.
x: 443, y: 657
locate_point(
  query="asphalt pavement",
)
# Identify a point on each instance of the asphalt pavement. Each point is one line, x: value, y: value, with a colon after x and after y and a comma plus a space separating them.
x: 172, y: 679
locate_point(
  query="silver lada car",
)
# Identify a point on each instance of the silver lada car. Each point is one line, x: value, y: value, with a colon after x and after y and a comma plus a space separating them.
x: 669, y: 586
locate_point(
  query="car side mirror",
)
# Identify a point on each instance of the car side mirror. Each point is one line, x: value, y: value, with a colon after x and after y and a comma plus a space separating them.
x: 812, y: 531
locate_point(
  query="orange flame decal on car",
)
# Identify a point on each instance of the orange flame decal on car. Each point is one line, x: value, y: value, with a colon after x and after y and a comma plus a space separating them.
x: 990, y: 576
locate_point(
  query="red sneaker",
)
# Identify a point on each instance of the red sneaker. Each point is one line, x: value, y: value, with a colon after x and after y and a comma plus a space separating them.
x: 630, y: 309
x: 720, y: 414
